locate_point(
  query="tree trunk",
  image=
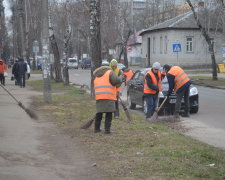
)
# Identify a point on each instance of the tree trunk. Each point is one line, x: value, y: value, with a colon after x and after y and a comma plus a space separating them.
x: 57, y: 65
x: 125, y: 49
x: 208, y: 40
x: 95, y: 38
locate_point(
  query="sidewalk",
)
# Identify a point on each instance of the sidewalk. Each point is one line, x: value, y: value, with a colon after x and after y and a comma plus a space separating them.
x: 36, y: 149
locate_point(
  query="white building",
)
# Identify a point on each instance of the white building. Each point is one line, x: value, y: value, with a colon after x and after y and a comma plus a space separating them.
x: 178, y: 41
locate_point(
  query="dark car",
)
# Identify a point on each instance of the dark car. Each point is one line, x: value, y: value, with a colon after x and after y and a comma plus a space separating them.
x: 135, y: 95
x: 86, y: 63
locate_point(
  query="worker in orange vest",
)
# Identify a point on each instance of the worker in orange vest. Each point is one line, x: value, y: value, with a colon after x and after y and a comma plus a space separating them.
x: 105, y: 84
x: 152, y: 87
x: 127, y: 75
x: 179, y: 82
x: 119, y: 73
x: 3, y: 70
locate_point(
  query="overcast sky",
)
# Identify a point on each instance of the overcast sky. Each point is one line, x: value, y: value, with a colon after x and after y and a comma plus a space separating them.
x: 7, y: 10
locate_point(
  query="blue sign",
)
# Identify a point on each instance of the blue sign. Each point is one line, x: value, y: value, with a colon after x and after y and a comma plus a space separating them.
x: 176, y: 47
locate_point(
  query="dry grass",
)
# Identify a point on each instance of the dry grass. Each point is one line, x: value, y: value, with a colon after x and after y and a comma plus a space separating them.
x: 137, y: 150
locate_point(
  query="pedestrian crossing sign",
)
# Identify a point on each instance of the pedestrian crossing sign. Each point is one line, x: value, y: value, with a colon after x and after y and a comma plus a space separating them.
x: 176, y: 47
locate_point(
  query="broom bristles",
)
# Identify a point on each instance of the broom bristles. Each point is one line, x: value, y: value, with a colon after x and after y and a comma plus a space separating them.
x: 32, y: 114
x: 154, y: 117
x: 88, y: 124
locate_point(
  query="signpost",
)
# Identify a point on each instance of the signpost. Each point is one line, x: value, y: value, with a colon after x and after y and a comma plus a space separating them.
x: 35, y: 50
x: 177, y: 49
x: 223, y: 52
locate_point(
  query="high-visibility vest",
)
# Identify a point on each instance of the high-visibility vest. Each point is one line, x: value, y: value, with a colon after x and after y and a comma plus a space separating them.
x: 180, y: 77
x: 128, y: 74
x: 117, y: 71
x: 103, y: 88
x: 155, y: 82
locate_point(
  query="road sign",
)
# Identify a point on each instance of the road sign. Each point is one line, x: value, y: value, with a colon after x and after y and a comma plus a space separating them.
x: 223, y: 52
x: 176, y: 47
x: 129, y: 49
x: 35, y: 46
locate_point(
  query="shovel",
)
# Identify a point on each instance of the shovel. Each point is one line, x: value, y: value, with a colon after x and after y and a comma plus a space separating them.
x: 155, y: 115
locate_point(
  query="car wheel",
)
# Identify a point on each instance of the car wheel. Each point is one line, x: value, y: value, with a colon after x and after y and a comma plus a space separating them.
x: 145, y: 106
x: 131, y: 105
x: 194, y: 110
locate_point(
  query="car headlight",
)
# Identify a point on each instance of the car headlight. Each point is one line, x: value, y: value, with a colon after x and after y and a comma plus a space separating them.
x: 193, y: 91
x: 161, y: 95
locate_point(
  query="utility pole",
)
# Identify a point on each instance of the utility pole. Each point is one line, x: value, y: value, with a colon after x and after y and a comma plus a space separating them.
x: 45, y: 51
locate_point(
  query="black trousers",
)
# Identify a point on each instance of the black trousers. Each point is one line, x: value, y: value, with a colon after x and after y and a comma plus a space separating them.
x: 22, y: 80
x: 117, y: 112
x: 108, y: 120
x: 185, y: 94
x: 2, y: 79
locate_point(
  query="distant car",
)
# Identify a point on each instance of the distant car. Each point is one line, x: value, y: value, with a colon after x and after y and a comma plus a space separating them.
x: 135, y: 94
x: 72, y: 63
x: 120, y: 65
x: 86, y: 63
x: 105, y: 63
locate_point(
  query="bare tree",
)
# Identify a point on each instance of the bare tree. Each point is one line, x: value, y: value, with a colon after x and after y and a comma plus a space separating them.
x: 208, y: 40
x: 95, y: 36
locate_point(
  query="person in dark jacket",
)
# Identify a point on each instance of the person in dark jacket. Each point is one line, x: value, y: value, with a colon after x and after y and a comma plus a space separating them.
x: 180, y: 83
x: 15, y: 72
x: 19, y: 70
x: 152, y: 87
x: 105, y: 84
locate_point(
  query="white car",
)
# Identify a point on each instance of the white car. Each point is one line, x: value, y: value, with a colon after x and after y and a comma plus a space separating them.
x: 72, y: 63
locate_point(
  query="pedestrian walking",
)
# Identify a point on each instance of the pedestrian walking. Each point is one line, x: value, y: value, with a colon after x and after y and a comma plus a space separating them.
x: 179, y: 82
x: 105, y: 83
x: 152, y: 87
x: 19, y: 70
x: 119, y: 73
x: 3, y: 71
x: 15, y: 72
x: 28, y: 71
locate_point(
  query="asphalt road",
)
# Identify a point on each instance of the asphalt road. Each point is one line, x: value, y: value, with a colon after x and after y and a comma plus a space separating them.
x: 208, y: 125
x: 212, y: 107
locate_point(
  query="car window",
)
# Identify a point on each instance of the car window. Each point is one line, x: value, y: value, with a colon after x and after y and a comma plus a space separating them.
x: 136, y: 75
x: 72, y: 60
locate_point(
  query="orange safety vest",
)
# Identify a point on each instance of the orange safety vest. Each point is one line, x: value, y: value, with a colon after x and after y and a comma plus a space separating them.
x: 154, y: 82
x: 117, y: 71
x: 103, y: 88
x: 128, y: 74
x: 180, y: 77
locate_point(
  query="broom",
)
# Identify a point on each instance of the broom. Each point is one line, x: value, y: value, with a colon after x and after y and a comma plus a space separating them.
x: 88, y: 124
x: 125, y: 110
x: 28, y: 111
x: 155, y: 114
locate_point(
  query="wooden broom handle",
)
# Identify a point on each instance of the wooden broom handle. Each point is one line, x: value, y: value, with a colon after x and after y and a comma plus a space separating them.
x: 162, y: 104
x: 9, y: 93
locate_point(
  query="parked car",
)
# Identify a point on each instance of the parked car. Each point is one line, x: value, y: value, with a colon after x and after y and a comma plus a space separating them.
x: 72, y: 63
x: 86, y: 63
x: 135, y: 94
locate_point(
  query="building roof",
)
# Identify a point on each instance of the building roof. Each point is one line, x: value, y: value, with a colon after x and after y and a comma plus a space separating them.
x: 184, y: 21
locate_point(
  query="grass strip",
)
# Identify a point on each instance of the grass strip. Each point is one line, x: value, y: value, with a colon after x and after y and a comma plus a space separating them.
x: 137, y: 150
x: 207, y: 81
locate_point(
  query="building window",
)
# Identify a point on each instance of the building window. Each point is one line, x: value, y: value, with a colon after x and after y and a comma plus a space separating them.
x: 165, y: 45
x: 212, y: 42
x: 154, y: 45
x: 189, y: 44
x: 161, y: 45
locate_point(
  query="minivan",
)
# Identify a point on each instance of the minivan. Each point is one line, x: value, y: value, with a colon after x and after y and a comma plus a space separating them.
x: 72, y: 63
